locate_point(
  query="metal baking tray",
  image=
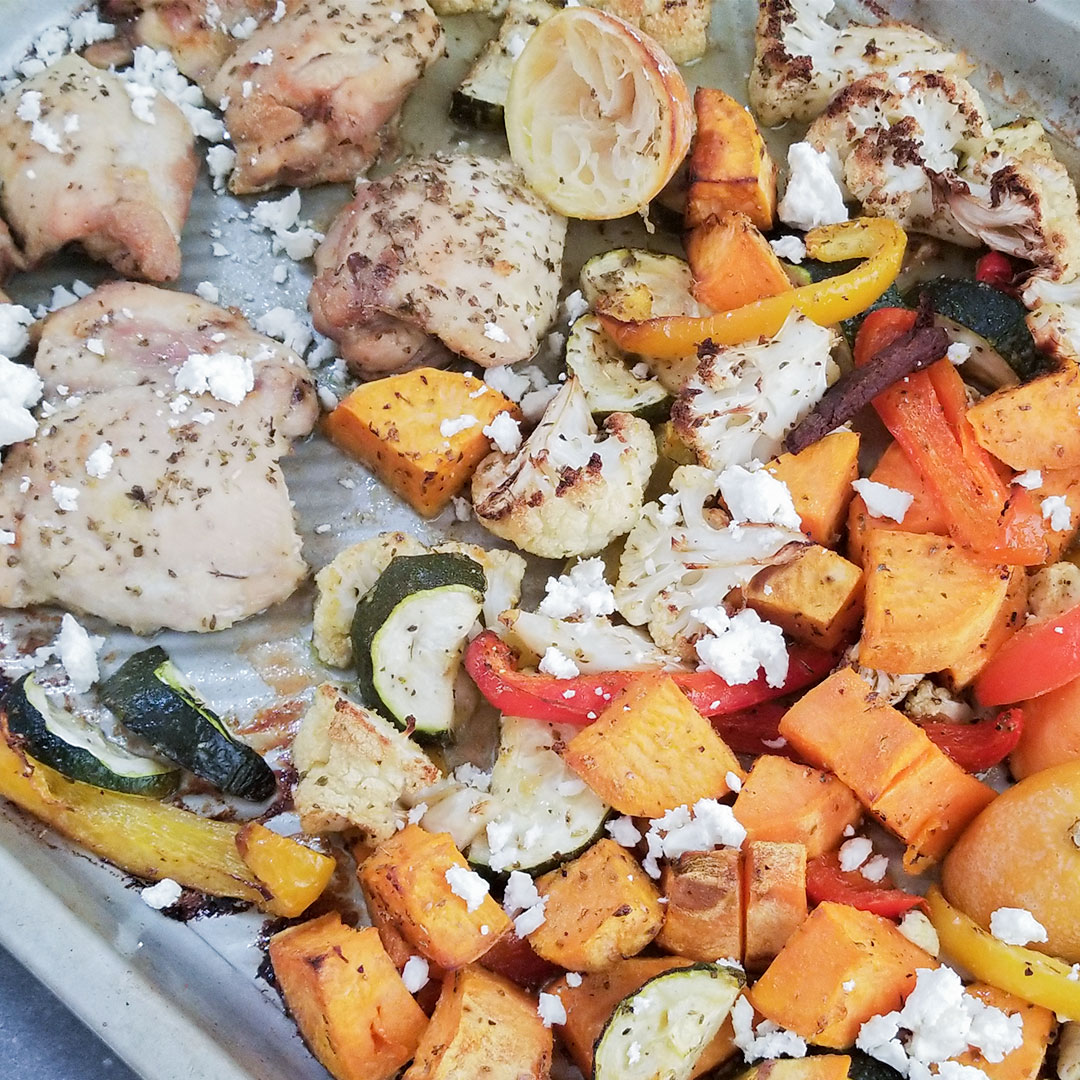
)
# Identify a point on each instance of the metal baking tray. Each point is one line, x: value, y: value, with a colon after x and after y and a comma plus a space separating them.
x: 183, y: 1001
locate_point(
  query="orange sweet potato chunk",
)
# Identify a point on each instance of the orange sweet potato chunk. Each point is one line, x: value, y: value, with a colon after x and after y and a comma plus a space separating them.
x: 838, y: 946
x: 815, y: 1067
x: 781, y: 800
x: 650, y: 750
x: 732, y: 262
x: 774, y: 883
x: 406, y: 878
x: 347, y: 998
x: 1025, y: 1062
x: 600, y: 908
x: 703, y: 916
x: 393, y: 426
x: 296, y: 875
x: 819, y: 479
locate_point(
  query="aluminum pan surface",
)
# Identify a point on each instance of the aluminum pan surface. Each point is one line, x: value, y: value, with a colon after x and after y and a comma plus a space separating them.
x: 179, y: 1002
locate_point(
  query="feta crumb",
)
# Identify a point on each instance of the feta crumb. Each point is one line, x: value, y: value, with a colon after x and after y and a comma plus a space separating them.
x: 78, y: 651
x: 162, y: 895
x: 523, y: 903
x: 875, y: 869
x: 494, y: 332
x: 624, y: 832
x: 557, y: 663
x: 286, y: 326
x: 854, y: 852
x: 95, y: 346
x: 243, y: 30
x: 812, y: 197
x: 1031, y: 479
x: 475, y: 777
x: 282, y: 220
x: 263, y: 57
x: 958, y: 353
x: 451, y: 427
x: 66, y: 498
x: 279, y: 12
x: 467, y: 884
x: 208, y: 291
x: 574, y: 306
x: 415, y: 974
x: 14, y: 339
x: 708, y: 825
x: 416, y: 813
x: 280, y: 274
x: 1055, y: 510
x: 583, y: 592
x: 884, y: 501
x: 733, y: 781
x: 220, y: 160
x: 225, y: 376
x: 508, y: 382
x: 1016, y: 926
x: 505, y: 432
x: 758, y: 496
x: 100, y: 462
x: 155, y: 71
x: 847, y: 986
x: 218, y: 250
x: 462, y: 508
x: 768, y: 1040
x: 790, y: 248
x: 6, y: 538
x: 20, y: 391
x: 738, y: 646
x: 573, y: 979
x: 550, y: 1009
x: 919, y: 930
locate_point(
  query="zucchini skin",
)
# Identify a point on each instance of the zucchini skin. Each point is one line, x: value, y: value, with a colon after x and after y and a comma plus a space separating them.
x: 405, y: 576
x: 182, y: 728
x: 25, y: 720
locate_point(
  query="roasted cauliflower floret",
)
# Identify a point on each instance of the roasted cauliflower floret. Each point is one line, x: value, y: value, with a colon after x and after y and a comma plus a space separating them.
x: 746, y: 398
x: 1016, y: 197
x: 1054, y: 319
x: 800, y: 60
x: 683, y: 556
x: 569, y: 490
x: 887, y: 139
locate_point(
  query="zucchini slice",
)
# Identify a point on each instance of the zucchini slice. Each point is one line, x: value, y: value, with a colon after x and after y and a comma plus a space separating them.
x: 409, y: 634
x: 661, y: 1029
x: 606, y: 374
x: 646, y: 283
x: 79, y: 750
x: 548, y: 813
x: 150, y: 696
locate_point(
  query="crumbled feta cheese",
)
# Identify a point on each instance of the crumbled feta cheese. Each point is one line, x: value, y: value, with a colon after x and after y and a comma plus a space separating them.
x: 220, y: 160
x: 475, y: 777
x: 854, y: 852
x: 919, y: 930
x: 958, y: 353
x: 224, y: 376
x: 710, y: 824
x: 14, y: 319
x: 66, y: 498
x: 554, y: 662
x: 7, y: 538
x: 415, y: 974
x: 505, y: 432
x: 573, y: 979
x: 738, y: 646
x: 20, y: 391
x: 279, y: 12
x: 208, y: 291
x: 574, y: 306
x: 523, y: 903
x: 280, y: 274
x: 1016, y: 926
x: 78, y: 651
x: 1055, y: 510
x: 733, y: 781
x: 884, y: 501
x: 1031, y: 479
x: 758, y: 496
x: 508, y: 382
x: 100, y: 462
x: 243, y: 30
x: 583, y: 592
x: 875, y: 869
x: 461, y: 507
x: 161, y: 895
x: 768, y: 1040
x: 847, y: 985
x: 95, y: 346
x: 218, y: 250
x: 286, y: 326
x: 790, y: 248
x: 812, y: 197
x: 494, y: 332
x: 467, y: 884
x: 451, y: 427
x: 416, y: 813
x: 281, y: 220
x: 550, y: 1009
x: 624, y: 832
x: 263, y: 57
x: 156, y: 70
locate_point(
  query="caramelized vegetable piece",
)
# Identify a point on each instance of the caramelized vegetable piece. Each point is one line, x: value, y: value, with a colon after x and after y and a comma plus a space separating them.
x: 590, y: 1004
x: 816, y: 1067
x: 783, y: 801
x: 815, y: 597
x: 347, y: 998
x: 819, y: 480
x: 300, y: 874
x: 1051, y: 734
x: 154, y: 841
x: 651, y: 750
x: 483, y: 1025
x: 1008, y: 618
x: 394, y: 427
x: 1065, y: 483
x: 825, y: 880
x: 407, y: 876
x: 1025, y: 1062
x: 774, y: 882
x: 600, y: 908
x: 928, y: 602
x: 703, y: 916
x: 1033, y: 426
x: 732, y: 262
x: 730, y: 167
x: 839, y: 968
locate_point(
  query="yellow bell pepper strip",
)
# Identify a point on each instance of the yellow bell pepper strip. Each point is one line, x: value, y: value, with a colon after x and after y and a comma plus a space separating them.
x: 878, y: 241
x: 1042, y: 980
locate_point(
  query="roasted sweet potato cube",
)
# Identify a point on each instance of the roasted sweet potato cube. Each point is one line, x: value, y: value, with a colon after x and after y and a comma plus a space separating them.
x: 1025, y: 1062
x: 814, y: 1067
x: 819, y: 479
x: 394, y: 426
x: 1008, y: 618
x: 774, y: 877
x: 928, y: 602
x: 483, y: 1026
x: 406, y: 877
x: 299, y: 874
x: 703, y: 916
x: 842, y: 726
x: 839, y: 968
x: 1066, y: 483
x: 347, y: 998
x: 781, y: 800
x: 732, y: 262
x: 730, y: 167
x: 600, y: 908
x: 650, y: 750
x: 815, y: 597
x: 590, y: 1004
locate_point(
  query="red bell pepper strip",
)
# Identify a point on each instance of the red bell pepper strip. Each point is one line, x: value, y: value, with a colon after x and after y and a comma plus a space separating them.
x: 1034, y: 661
x: 927, y: 415
x: 493, y: 667
x: 979, y: 746
x: 754, y: 731
x: 826, y: 881
x: 996, y: 270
